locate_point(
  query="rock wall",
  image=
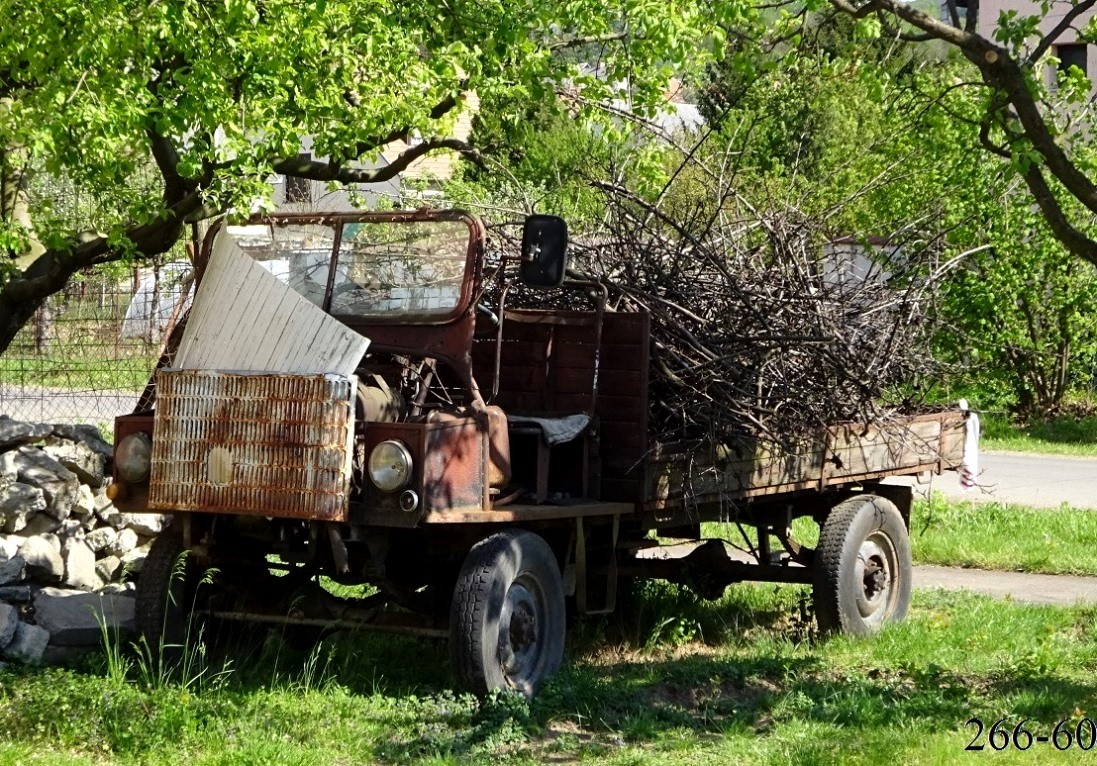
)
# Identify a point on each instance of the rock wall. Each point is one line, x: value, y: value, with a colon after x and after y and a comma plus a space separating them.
x: 66, y: 553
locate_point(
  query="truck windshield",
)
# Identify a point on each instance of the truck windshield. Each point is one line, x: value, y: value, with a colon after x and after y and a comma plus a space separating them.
x: 393, y: 270
x: 384, y: 270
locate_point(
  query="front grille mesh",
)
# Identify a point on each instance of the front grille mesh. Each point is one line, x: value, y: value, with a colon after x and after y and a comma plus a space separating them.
x: 258, y: 443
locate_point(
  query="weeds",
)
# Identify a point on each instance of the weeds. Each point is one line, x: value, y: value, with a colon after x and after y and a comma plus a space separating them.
x: 1003, y: 536
x: 1062, y: 435
x: 750, y: 691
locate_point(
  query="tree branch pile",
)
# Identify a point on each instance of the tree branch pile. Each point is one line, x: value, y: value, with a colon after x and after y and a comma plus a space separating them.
x: 763, y: 325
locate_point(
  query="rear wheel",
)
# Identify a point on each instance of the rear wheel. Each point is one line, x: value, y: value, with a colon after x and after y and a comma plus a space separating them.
x: 863, y: 567
x: 507, y: 619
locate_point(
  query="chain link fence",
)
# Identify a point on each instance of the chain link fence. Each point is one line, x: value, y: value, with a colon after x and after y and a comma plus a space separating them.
x: 86, y: 356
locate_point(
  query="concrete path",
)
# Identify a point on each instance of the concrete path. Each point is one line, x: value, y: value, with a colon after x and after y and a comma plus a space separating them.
x: 1060, y: 590
x: 1040, y: 481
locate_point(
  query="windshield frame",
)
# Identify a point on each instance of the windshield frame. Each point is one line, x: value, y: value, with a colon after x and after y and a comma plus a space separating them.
x: 336, y: 221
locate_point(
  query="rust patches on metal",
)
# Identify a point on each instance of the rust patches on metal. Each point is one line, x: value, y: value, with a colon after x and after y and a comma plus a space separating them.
x: 264, y: 444
x: 455, y: 474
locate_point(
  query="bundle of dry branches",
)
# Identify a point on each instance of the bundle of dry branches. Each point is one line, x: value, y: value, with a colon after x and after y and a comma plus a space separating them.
x: 764, y: 326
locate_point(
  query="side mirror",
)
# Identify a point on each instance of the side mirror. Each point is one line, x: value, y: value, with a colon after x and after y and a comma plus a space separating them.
x: 544, y: 251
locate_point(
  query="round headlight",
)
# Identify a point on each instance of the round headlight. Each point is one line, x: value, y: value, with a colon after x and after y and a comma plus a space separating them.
x: 133, y: 457
x: 390, y: 466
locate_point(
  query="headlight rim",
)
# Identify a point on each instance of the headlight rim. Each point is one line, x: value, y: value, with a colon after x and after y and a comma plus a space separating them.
x: 123, y: 467
x: 405, y: 456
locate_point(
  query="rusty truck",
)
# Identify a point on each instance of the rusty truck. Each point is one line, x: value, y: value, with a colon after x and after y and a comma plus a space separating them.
x: 481, y: 469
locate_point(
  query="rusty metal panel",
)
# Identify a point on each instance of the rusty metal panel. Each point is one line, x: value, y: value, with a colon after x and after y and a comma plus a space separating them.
x: 454, y: 477
x: 263, y: 443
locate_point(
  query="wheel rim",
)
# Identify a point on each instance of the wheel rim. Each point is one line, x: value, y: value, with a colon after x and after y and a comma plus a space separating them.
x: 521, y: 624
x: 877, y: 563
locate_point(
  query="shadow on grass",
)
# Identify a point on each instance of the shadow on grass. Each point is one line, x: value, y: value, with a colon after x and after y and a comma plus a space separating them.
x: 672, y: 671
x: 643, y: 701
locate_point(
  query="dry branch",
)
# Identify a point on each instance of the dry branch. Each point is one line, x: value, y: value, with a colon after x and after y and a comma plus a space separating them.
x: 763, y: 326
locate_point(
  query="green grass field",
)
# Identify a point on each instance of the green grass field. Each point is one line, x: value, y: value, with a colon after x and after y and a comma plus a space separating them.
x: 740, y: 680
x: 1065, y: 435
x: 1003, y: 536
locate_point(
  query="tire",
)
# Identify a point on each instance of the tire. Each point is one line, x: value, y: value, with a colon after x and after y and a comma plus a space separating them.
x: 507, y: 617
x: 165, y: 594
x: 863, y: 567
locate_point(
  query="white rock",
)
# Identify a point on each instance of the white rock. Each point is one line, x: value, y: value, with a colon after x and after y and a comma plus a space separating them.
x: 107, y: 567
x: 113, y: 517
x: 125, y: 542
x: 102, y: 502
x: 9, y: 546
x: 134, y: 561
x: 28, y: 644
x: 144, y: 524
x: 80, y: 570
x: 74, y: 618
x: 71, y: 529
x: 39, y: 524
x: 43, y: 557
x: 84, y: 505
x: 15, y: 594
x: 13, y: 432
x: 13, y: 570
x: 82, y: 460
x: 8, y: 469
x: 18, y: 503
x: 58, y: 483
x: 9, y: 619
x: 87, y: 435
x: 100, y: 538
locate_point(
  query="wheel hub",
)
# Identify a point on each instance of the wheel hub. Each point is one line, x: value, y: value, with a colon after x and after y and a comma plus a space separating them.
x: 518, y: 632
x: 876, y: 560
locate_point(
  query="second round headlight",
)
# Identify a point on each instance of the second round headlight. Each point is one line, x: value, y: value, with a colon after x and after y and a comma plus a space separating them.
x: 390, y: 466
x: 134, y: 457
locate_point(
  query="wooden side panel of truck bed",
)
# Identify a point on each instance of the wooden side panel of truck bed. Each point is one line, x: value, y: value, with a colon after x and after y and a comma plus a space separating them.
x: 841, y: 454
x: 549, y: 361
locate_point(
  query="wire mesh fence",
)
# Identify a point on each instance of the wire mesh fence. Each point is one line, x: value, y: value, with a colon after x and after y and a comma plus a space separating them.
x: 86, y: 355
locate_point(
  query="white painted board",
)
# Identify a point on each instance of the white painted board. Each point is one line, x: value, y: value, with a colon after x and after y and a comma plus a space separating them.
x: 247, y: 320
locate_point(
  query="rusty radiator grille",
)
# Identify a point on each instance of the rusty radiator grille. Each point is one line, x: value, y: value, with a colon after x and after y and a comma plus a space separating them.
x: 258, y: 443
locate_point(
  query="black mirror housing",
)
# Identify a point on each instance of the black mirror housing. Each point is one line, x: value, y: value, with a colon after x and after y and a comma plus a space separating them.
x: 544, y: 251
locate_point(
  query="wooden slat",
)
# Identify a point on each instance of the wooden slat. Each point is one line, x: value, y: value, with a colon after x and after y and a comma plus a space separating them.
x: 246, y: 319
x: 625, y: 435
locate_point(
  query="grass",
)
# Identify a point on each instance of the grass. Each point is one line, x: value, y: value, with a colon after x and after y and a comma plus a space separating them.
x: 126, y: 371
x: 996, y: 536
x: 746, y: 682
x: 1003, y: 536
x: 1064, y: 435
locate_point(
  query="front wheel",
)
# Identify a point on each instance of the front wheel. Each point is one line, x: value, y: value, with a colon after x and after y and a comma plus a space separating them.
x: 507, y: 619
x: 863, y: 567
x: 165, y: 597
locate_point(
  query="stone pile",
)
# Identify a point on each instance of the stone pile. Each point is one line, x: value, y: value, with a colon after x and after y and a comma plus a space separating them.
x: 65, y: 550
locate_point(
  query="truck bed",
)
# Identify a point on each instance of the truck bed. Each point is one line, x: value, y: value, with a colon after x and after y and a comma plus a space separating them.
x: 549, y: 363
x: 841, y: 454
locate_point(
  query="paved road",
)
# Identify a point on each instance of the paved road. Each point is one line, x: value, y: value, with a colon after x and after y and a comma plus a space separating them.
x: 64, y: 405
x: 1040, y: 481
